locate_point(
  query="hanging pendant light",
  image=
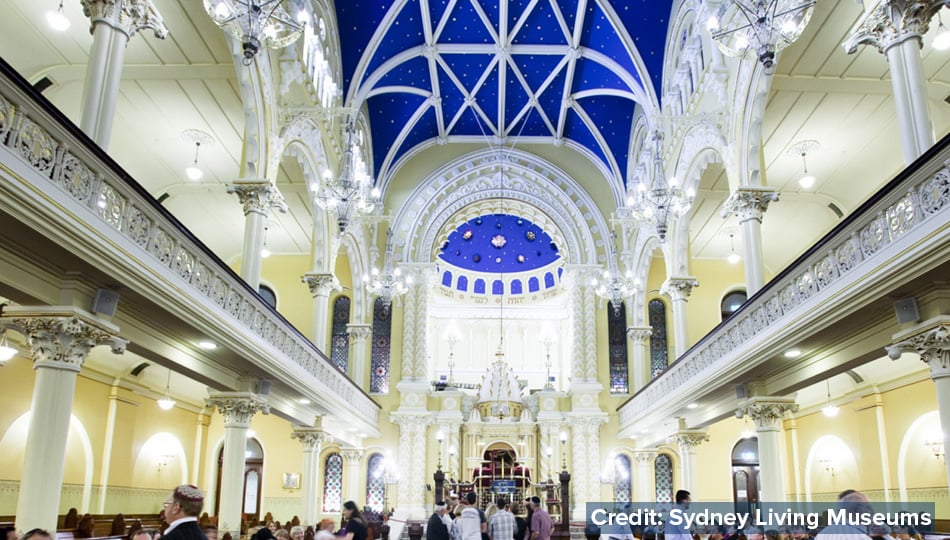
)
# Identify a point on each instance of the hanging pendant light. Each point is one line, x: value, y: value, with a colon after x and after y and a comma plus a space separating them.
x: 57, y: 19
x: 829, y: 410
x: 733, y: 257
x: 166, y: 402
x: 801, y: 148
x: 197, y: 137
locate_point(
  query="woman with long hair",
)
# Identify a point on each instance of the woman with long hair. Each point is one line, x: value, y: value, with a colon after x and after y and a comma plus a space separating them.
x: 355, y: 526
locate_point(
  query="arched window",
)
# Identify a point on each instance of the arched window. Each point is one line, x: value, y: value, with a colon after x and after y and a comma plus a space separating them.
x: 663, y: 474
x: 498, y: 287
x: 269, y: 296
x: 333, y: 484
x: 731, y: 302
x: 376, y: 482
x: 462, y: 284
x: 617, y: 342
x: 339, y: 339
x: 447, y: 279
x: 479, y: 286
x: 516, y: 287
x: 622, y: 478
x: 382, y: 338
x: 659, y: 358
x: 533, y: 284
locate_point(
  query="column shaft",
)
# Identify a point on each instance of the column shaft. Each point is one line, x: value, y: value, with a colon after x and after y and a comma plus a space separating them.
x: 753, y: 261
x: 646, y: 476
x: 943, y: 406
x: 101, y: 88
x: 767, y: 414
x: 352, y: 476
x: 45, y: 453
x: 639, y: 337
x: 253, y: 243
x: 232, y: 479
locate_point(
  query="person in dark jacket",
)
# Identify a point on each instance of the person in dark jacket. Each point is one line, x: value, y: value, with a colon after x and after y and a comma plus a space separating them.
x: 436, y: 529
x: 181, y: 511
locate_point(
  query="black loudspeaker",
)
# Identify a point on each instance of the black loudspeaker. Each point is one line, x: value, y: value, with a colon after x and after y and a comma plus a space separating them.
x: 263, y: 387
x: 741, y: 391
x: 906, y: 310
x: 105, y: 302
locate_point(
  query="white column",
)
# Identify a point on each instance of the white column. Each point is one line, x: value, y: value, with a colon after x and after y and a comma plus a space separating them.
x: 412, y: 464
x: 767, y: 414
x: 257, y: 197
x: 351, y: 459
x: 237, y: 408
x: 360, y: 353
x: 931, y: 341
x: 585, y: 462
x: 895, y: 28
x: 583, y: 304
x: 679, y: 289
x: 687, y: 440
x: 60, y: 339
x: 748, y: 204
x: 321, y: 285
x: 311, y: 438
x: 640, y: 360
x: 646, y: 475
x: 113, y: 23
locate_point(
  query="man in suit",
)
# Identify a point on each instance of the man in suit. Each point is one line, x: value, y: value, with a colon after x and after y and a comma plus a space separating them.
x: 182, y: 509
x: 437, y: 529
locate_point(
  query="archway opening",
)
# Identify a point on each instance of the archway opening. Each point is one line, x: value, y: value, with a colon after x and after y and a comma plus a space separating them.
x: 746, y: 482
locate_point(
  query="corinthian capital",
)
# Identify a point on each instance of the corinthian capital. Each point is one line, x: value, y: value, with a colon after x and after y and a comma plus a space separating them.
x: 128, y: 16
x: 258, y: 196
x: 352, y: 454
x: 639, y: 334
x: 890, y: 22
x: 644, y: 456
x: 930, y: 340
x: 766, y: 412
x: 689, y: 438
x: 749, y: 203
x: 61, y: 336
x: 679, y: 288
x: 321, y: 284
x: 238, y: 407
x: 359, y: 332
x: 310, y: 438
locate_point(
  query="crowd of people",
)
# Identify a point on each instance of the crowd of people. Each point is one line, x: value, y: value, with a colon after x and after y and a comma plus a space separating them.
x: 464, y: 520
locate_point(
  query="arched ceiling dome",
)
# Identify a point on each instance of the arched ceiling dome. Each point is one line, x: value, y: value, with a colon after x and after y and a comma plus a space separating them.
x: 564, y: 71
x: 500, y: 244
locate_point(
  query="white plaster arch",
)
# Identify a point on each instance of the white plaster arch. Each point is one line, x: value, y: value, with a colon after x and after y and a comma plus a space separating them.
x: 845, y: 463
x: 353, y: 244
x: 13, y: 445
x: 927, y: 421
x: 684, y: 14
x: 529, y: 181
x: 158, y: 448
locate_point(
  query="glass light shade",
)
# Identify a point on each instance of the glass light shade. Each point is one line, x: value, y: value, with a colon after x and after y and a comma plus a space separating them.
x: 57, y: 20
x: 194, y: 173
x: 265, y: 253
x: 806, y: 181
x: 942, y: 39
x: 733, y: 258
x: 166, y: 403
x: 830, y: 410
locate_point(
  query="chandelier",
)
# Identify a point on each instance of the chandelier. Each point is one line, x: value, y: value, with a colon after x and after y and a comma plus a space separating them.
x: 348, y: 194
x: 658, y: 204
x: 257, y: 22
x: 388, y: 283
x: 615, y: 287
x: 760, y: 28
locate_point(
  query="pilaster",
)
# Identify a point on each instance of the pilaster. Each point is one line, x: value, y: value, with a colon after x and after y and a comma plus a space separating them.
x: 351, y: 460
x: 312, y: 438
x: 686, y: 441
x: 749, y: 204
x: 320, y: 286
x: 679, y: 289
x: 585, y: 460
x: 646, y: 475
x: 412, y: 463
x: 360, y: 342
x: 257, y: 198
x: 639, y: 337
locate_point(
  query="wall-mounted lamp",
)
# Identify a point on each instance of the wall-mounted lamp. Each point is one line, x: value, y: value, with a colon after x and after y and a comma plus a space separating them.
x: 935, y: 444
x: 829, y: 465
x: 163, y: 461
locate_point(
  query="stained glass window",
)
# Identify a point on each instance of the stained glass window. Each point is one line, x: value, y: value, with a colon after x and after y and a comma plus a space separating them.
x: 659, y: 356
x: 622, y: 478
x: 382, y: 337
x: 333, y: 484
x: 376, y: 482
x: 617, y: 341
x: 339, y: 339
x: 663, y: 470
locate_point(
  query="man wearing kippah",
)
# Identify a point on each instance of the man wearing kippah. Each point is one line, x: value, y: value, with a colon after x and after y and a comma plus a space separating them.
x: 181, y: 511
x: 437, y: 528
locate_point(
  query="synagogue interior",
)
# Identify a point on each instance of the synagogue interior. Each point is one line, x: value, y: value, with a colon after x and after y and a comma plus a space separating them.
x: 301, y: 252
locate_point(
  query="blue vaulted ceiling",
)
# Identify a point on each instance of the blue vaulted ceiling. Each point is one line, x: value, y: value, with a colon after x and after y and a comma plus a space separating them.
x: 508, y: 70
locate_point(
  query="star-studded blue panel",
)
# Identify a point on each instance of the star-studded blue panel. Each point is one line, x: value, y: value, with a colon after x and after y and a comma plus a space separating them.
x: 499, y: 243
x: 502, y: 69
